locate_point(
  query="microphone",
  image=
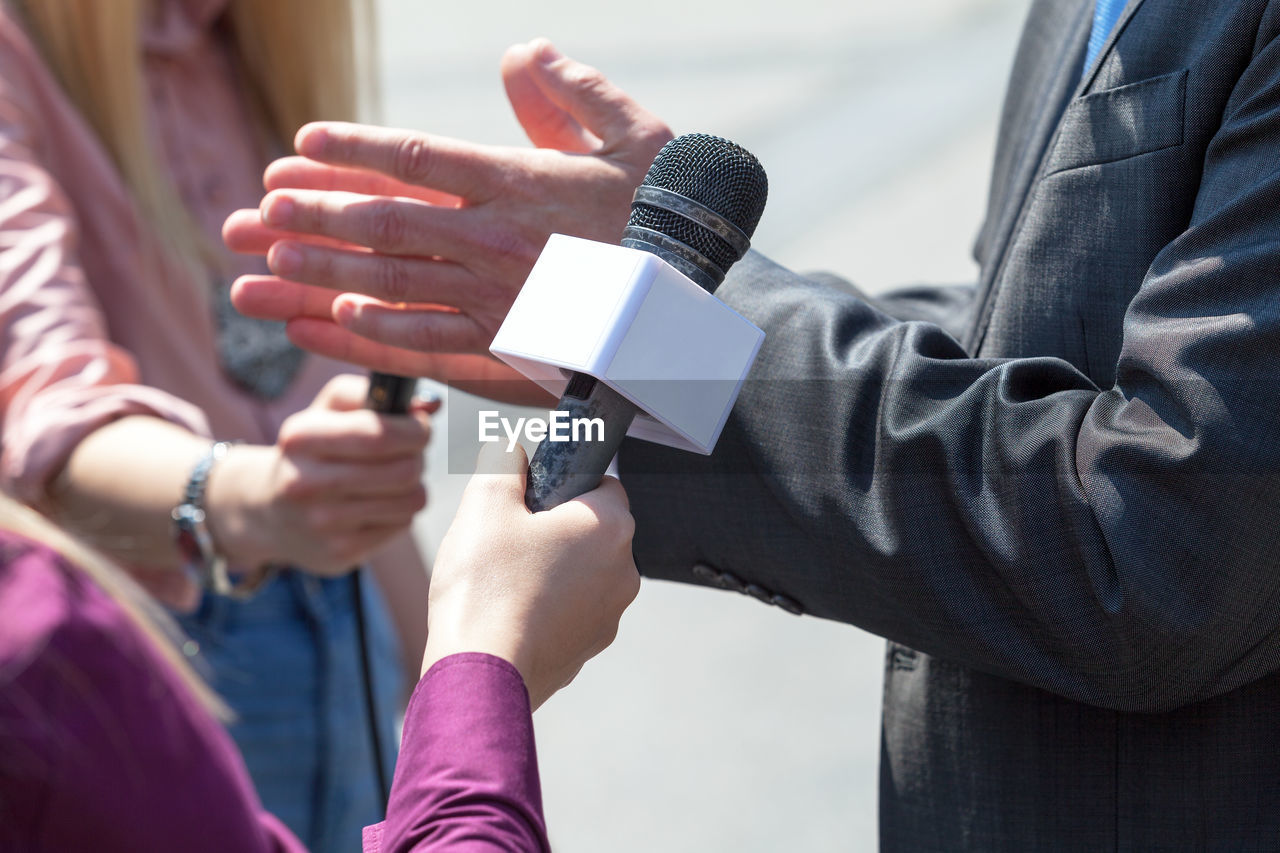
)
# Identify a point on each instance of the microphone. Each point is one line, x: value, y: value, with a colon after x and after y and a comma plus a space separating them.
x: 696, y: 209
x: 390, y: 394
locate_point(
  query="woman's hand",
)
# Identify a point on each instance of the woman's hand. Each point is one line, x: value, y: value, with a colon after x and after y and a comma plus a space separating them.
x: 339, y: 482
x: 544, y: 590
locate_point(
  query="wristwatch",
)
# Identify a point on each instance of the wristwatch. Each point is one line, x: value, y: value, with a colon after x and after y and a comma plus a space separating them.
x: 200, y: 555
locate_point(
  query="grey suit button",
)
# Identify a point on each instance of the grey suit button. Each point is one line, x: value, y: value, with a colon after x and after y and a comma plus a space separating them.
x: 702, y: 571
x: 731, y: 581
x: 759, y: 593
x: 789, y: 604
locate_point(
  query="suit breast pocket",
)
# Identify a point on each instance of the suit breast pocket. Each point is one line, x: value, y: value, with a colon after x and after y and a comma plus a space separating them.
x: 1116, y: 124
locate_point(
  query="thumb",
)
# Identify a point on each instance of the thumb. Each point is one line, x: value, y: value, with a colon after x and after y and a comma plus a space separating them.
x: 545, y: 123
x: 343, y: 393
x: 589, y: 99
x: 500, y: 476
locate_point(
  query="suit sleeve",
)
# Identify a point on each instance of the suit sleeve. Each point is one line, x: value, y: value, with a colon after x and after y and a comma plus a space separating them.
x: 1117, y: 546
x: 949, y: 307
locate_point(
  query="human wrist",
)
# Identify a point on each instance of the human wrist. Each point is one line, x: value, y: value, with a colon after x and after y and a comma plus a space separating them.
x: 236, y: 510
x: 444, y: 642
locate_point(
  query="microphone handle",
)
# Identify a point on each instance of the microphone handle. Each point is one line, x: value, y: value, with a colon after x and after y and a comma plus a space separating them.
x: 390, y: 394
x: 562, y: 470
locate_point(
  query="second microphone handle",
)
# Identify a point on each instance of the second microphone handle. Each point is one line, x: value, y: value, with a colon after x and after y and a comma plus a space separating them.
x: 562, y: 470
x: 390, y: 394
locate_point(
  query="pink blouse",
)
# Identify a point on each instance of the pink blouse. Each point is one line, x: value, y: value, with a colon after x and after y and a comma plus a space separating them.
x: 94, y: 323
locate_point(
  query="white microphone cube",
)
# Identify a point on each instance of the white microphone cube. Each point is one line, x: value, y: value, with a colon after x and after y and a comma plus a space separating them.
x: 634, y: 322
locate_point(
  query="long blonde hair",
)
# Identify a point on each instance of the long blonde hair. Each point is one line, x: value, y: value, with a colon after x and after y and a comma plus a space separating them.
x: 301, y: 60
x: 141, y: 609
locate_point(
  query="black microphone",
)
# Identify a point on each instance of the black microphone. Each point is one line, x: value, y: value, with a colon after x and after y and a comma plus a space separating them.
x: 390, y: 394
x: 696, y: 209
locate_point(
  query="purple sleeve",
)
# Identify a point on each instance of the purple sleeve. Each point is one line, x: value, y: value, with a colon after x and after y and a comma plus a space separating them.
x: 102, y: 746
x: 467, y: 775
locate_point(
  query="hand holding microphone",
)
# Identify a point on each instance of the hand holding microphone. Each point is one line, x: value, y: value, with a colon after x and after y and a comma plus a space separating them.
x: 696, y: 210
x: 339, y: 482
x: 543, y: 591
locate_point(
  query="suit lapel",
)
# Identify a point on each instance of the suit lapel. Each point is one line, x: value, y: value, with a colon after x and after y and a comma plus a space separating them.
x: 1027, y: 128
x: 1091, y: 72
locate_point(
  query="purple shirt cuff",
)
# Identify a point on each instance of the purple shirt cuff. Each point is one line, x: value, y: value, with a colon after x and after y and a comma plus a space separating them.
x: 467, y: 775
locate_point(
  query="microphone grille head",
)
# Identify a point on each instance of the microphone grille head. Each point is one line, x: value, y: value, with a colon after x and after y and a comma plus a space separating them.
x: 716, y: 173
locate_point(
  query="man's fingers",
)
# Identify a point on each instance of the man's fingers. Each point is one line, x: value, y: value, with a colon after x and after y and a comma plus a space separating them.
x: 425, y: 329
x: 594, y: 102
x: 485, y: 376
x: 326, y: 338
x: 245, y: 232
x: 270, y: 298
x: 476, y: 374
x: 395, y: 226
x: 545, y: 123
x: 301, y: 173
x: 447, y: 165
x: 388, y: 278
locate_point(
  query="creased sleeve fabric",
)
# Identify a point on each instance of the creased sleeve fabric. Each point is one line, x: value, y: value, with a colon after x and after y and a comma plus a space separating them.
x: 467, y: 776
x: 1113, y: 544
x: 61, y: 376
x: 102, y: 745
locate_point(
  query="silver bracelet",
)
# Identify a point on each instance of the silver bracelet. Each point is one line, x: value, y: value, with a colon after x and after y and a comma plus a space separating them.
x: 201, y: 557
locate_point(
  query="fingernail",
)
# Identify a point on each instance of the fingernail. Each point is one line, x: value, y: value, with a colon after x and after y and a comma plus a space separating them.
x: 278, y: 211
x: 431, y: 398
x: 284, y: 259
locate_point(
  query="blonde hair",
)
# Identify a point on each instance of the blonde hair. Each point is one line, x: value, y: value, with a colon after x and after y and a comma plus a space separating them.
x: 140, y: 608
x: 301, y: 61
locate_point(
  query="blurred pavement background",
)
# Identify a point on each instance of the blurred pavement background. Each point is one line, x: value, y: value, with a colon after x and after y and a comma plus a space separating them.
x: 715, y: 723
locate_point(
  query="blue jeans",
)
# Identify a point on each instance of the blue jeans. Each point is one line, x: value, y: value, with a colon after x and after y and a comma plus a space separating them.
x: 287, y: 663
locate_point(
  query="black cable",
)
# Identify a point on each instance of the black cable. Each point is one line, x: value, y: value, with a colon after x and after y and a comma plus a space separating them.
x: 370, y: 701
x: 388, y: 395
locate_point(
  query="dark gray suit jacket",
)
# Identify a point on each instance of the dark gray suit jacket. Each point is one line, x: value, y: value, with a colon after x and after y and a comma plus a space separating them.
x: 1061, y: 489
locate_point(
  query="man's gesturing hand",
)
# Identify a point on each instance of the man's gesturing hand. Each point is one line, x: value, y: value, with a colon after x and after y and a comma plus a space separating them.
x: 419, y: 243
